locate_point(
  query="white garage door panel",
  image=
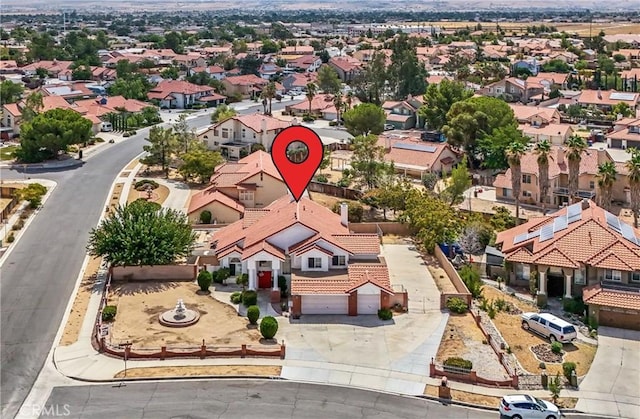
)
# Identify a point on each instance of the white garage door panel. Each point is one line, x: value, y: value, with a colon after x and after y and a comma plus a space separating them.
x: 368, y: 304
x: 325, y: 304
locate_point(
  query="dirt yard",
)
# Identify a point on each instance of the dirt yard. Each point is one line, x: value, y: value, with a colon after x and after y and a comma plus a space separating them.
x: 194, y: 371
x: 159, y: 195
x: 520, y: 340
x: 80, y: 303
x: 491, y: 401
x: 140, y: 304
x: 394, y: 239
x: 132, y: 165
x: 581, y: 28
x: 462, y: 338
x: 439, y: 275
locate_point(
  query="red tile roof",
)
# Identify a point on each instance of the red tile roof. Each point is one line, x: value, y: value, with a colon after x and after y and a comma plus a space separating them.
x: 231, y: 174
x: 113, y: 103
x: 209, y: 196
x: 376, y: 274
x: 167, y: 87
x: 340, y: 282
x: 596, y: 295
x: 246, y: 80
x: 402, y: 156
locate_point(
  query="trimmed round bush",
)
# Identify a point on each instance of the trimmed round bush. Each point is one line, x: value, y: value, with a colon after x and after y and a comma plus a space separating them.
x: 141, y: 185
x: 556, y: 347
x: 205, y: 217
x: 11, y: 238
x: 253, y: 314
x: 109, y: 313
x: 268, y: 327
x: 249, y: 298
x: 236, y: 297
x: 220, y: 275
x: 204, y: 280
x: 385, y: 314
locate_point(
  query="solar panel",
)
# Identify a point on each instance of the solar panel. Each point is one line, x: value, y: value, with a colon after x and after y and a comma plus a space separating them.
x: 546, y: 233
x: 560, y: 223
x: 621, y: 96
x: 613, y: 221
x: 520, y: 238
x: 574, y: 209
x: 415, y: 147
x: 628, y: 233
x: 533, y: 234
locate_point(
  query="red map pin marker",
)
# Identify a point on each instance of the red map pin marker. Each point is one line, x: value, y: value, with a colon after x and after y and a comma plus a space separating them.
x: 297, y: 152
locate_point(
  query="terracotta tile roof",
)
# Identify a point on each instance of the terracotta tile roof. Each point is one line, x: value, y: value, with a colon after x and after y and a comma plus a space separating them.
x: 563, y: 130
x: 167, y: 87
x: 346, y: 63
x: 231, y: 174
x: 596, y: 295
x: 315, y: 246
x: 376, y: 274
x: 251, y: 215
x: 361, y: 244
x: 334, y: 282
x: 402, y: 156
x: 13, y: 109
x: 254, y: 122
x: 245, y: 80
x: 209, y: 196
x: 589, y: 240
x: 267, y: 247
x: 95, y: 106
x: 318, y: 103
x: 603, y: 97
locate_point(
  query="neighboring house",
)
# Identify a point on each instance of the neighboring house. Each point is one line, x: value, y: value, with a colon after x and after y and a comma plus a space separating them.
x: 304, y: 63
x: 625, y: 134
x: 556, y: 134
x: 103, y: 74
x: 53, y: 68
x: 251, y: 182
x: 297, y: 50
x: 513, y: 90
x: 102, y: 106
x: 534, y: 115
x: 605, y: 100
x: 330, y: 269
x: 346, y: 67
x: 214, y: 71
x: 234, y: 136
x: 72, y: 90
x: 413, y: 157
x: 247, y: 86
x: 269, y: 70
x: 180, y: 94
x: 320, y: 104
x: 298, y: 81
x: 558, y: 194
x: 402, y: 114
x: 530, y: 64
x: 581, y: 250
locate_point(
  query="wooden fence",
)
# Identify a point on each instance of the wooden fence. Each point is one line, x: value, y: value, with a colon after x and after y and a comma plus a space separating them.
x: 394, y: 228
x: 333, y: 190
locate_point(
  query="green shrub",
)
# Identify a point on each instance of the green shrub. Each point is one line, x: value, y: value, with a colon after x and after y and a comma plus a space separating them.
x: 484, y: 304
x: 491, y: 310
x: 500, y: 304
x: 458, y: 363
x: 205, y: 217
x: 99, y: 140
x: 542, y: 366
x: 204, y: 280
x: 593, y: 323
x: 221, y: 275
x: 125, y: 135
x: 249, y: 298
x: 11, y: 238
x: 573, y: 305
x: 132, y: 133
x: 242, y: 280
x: 471, y: 278
x: 385, y: 314
x: 555, y: 385
x: 268, y: 327
x: 355, y: 210
x: 321, y: 179
x: 236, y: 297
x: 282, y: 284
x: 556, y: 347
x: 109, y: 313
x: 333, y: 124
x: 457, y: 305
x: 141, y: 185
x: 568, y: 368
x: 253, y: 314
x: 308, y: 118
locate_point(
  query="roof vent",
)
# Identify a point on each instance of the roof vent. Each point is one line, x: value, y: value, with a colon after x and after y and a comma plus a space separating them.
x: 585, y: 205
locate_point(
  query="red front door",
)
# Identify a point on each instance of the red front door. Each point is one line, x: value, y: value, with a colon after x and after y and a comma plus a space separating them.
x: 264, y: 279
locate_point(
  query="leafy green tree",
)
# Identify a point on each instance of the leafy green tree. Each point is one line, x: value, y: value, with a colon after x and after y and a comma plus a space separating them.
x: 633, y: 167
x: 222, y: 113
x: 493, y: 147
x: 33, y: 193
x: 10, y: 92
x: 151, y: 115
x: 369, y: 84
x: 365, y: 119
x: 391, y: 194
x: 514, y: 152
x: 621, y: 109
x: 406, y: 74
x: 51, y: 132
x: 328, y: 80
x: 173, y: 40
x: 163, y: 145
x: 81, y: 72
x: 433, y: 220
x: 32, y: 106
x: 142, y: 234
x: 502, y: 219
x: 557, y: 66
x: 185, y: 135
x: 606, y: 176
x: 439, y: 99
x: 459, y: 182
x: 268, y: 47
x: 368, y: 165
x: 134, y: 87
x: 170, y: 73
x: 200, y: 163
x: 249, y: 64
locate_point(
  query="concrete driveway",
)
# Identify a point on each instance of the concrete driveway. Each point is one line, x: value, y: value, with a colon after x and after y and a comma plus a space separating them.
x: 364, y: 343
x: 612, y: 385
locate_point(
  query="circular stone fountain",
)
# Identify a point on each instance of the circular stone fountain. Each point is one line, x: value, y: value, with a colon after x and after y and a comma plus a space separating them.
x: 180, y: 316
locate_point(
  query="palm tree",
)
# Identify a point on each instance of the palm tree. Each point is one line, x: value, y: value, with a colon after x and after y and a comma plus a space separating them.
x: 337, y: 102
x: 606, y: 178
x: 349, y: 99
x: 543, y: 149
x: 577, y: 146
x: 515, y: 151
x: 633, y: 166
x: 268, y: 93
x: 312, y: 89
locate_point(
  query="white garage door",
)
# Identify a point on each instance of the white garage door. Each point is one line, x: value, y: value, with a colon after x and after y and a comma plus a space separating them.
x: 368, y: 304
x: 325, y: 304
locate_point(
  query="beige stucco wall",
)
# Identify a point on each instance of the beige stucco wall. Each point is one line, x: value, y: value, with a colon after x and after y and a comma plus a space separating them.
x: 220, y: 213
x: 268, y: 189
x: 438, y: 166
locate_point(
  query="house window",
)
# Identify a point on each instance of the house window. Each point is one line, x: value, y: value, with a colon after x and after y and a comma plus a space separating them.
x: 612, y: 275
x: 526, y: 178
x: 246, y: 195
x: 339, y: 261
x: 506, y: 192
x: 523, y: 271
x: 314, y: 263
x: 216, y: 143
x: 225, y: 132
x: 216, y: 133
x: 592, y: 185
x: 635, y: 276
x: 578, y: 277
x: 527, y: 194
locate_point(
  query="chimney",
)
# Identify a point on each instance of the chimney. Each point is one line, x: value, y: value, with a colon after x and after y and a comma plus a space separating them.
x: 344, y: 214
x: 602, y: 156
x: 263, y: 125
x: 599, y: 94
x: 560, y: 155
x: 387, y: 142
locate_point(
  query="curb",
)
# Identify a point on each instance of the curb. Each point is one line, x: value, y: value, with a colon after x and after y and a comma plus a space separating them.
x: 179, y: 378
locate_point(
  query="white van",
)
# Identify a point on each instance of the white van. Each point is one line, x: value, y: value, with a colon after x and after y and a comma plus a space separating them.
x: 549, y: 326
x: 106, y: 127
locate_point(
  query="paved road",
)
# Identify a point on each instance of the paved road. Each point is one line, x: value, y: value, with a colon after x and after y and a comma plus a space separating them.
x: 38, y: 276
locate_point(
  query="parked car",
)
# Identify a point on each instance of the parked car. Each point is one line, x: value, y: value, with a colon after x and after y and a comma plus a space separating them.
x: 523, y: 406
x: 389, y: 127
x: 549, y: 326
